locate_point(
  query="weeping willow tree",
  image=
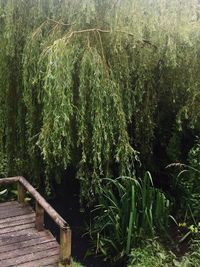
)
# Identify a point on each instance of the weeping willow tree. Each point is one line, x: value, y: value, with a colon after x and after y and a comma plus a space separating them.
x: 93, y: 84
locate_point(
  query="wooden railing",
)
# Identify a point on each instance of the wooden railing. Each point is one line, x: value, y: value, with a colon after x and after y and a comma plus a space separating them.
x: 42, y: 206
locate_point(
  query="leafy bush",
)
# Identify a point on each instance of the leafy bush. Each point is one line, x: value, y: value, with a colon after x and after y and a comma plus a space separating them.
x: 3, y: 165
x: 3, y: 194
x: 192, y: 258
x: 151, y: 254
x: 129, y: 210
x: 193, y: 182
x: 76, y: 264
x: 187, y: 185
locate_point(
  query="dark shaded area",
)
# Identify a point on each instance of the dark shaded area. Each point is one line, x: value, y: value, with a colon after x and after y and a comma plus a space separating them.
x: 177, y: 247
x: 66, y: 203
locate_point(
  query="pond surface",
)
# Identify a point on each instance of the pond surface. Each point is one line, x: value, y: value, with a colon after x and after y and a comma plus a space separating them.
x: 66, y: 203
x: 70, y: 211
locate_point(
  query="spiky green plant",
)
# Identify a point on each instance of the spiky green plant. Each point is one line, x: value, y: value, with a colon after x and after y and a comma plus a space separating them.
x: 129, y: 210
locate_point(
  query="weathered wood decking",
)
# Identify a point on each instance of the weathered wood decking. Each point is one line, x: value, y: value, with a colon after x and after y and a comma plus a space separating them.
x: 24, y: 241
x: 21, y: 245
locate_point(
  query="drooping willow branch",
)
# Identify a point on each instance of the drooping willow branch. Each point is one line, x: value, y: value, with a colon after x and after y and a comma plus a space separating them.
x: 60, y: 22
x: 90, y: 92
x: 68, y: 36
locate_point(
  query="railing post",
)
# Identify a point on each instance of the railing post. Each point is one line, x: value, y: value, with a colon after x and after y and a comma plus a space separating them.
x: 21, y: 193
x: 65, y: 247
x: 39, y: 217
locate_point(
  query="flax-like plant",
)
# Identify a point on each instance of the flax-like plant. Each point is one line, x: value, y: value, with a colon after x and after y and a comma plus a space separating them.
x: 129, y: 210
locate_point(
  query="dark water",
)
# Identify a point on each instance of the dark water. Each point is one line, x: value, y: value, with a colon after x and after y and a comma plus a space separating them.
x: 66, y: 203
x: 80, y: 243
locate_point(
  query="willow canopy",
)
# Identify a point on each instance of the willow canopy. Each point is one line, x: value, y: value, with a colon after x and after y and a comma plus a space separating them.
x: 91, y: 84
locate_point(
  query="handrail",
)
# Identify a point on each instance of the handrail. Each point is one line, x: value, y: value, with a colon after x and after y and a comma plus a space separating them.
x: 41, y: 206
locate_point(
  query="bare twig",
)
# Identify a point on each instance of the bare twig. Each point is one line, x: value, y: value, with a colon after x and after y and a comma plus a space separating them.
x: 37, y: 30
x: 106, y: 31
x: 60, y: 22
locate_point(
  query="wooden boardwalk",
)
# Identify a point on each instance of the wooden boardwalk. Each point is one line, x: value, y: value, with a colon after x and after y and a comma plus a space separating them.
x: 24, y: 241
x: 20, y: 243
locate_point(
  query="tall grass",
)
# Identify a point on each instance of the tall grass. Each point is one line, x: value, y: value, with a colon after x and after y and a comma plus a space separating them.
x: 129, y: 210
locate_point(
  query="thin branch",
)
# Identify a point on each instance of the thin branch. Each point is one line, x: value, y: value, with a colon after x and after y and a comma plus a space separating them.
x: 102, y: 51
x: 61, y: 23
x: 87, y: 30
x: 115, y: 4
x: 143, y: 40
x: 107, y: 31
x: 37, y: 30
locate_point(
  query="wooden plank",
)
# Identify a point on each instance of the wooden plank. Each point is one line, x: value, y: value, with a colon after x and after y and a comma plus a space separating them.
x: 30, y: 257
x: 26, y: 243
x: 9, y: 213
x: 19, y: 220
x: 10, y: 180
x: 16, y: 252
x: 52, y: 262
x: 15, y: 205
x: 12, y: 219
x: 5, y: 210
x: 9, y: 203
x: 17, y: 228
x: 23, y: 235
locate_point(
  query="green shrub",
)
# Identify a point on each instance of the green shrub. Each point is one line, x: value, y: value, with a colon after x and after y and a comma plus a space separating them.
x: 129, y: 210
x: 3, y: 165
x: 193, y: 182
x: 76, y: 264
x: 192, y: 258
x: 151, y: 254
x: 187, y: 185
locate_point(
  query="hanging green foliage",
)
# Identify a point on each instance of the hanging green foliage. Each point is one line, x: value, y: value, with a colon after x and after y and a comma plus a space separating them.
x: 89, y: 83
